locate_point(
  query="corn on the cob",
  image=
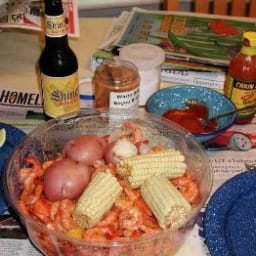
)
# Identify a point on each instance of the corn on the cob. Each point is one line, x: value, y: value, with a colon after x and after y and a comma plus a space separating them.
x: 165, y: 201
x: 136, y: 169
x: 96, y: 200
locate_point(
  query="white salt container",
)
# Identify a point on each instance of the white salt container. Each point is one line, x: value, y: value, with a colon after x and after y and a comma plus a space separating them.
x: 147, y: 58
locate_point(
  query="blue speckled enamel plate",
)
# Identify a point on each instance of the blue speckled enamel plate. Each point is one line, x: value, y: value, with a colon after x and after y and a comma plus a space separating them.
x: 230, y: 217
x: 13, y: 138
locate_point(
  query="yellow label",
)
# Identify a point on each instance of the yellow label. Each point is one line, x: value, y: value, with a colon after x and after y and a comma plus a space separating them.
x: 55, y: 26
x: 242, y: 93
x: 60, y: 94
x: 251, y: 51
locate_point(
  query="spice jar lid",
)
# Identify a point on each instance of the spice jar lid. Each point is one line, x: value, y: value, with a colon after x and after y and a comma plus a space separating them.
x: 251, y: 37
x: 144, y: 56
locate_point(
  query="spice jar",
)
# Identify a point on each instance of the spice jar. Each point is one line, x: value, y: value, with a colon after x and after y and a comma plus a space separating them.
x: 116, y: 84
x: 147, y: 58
x: 240, y: 85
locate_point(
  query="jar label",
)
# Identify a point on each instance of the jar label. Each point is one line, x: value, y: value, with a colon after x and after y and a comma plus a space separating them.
x: 242, y: 93
x: 124, y: 99
x: 60, y: 94
x: 55, y: 26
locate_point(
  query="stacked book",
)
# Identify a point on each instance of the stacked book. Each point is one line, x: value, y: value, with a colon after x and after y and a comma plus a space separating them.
x: 198, y: 47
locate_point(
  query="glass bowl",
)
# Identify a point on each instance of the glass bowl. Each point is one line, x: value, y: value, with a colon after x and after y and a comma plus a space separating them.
x: 47, y: 141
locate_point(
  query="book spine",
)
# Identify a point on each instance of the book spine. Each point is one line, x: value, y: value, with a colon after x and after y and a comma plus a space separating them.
x: 213, y: 80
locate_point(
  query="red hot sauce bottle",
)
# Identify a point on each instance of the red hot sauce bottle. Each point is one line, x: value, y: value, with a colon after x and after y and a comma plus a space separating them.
x: 240, y: 85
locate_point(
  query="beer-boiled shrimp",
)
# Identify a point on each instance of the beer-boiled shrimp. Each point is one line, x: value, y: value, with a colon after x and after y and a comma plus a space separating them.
x: 188, y: 188
x: 130, y: 220
x: 132, y: 132
x: 102, y: 233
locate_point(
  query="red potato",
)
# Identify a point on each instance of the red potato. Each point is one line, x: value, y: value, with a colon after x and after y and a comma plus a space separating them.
x: 85, y: 148
x: 66, y: 179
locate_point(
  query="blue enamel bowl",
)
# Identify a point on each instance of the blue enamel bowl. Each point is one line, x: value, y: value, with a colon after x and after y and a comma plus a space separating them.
x: 177, y: 97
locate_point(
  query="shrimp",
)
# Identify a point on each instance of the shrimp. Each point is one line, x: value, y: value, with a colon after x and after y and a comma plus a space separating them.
x: 135, y: 217
x: 30, y: 178
x: 60, y: 216
x: 100, y: 166
x: 27, y: 178
x: 38, y: 190
x: 56, y: 224
x: 130, y: 220
x: 157, y: 148
x: 122, y: 202
x: 66, y: 208
x: 132, y: 132
x: 97, y: 233
x: 36, y: 165
x: 149, y: 223
x: 23, y: 207
x: 188, y: 188
x: 32, y: 189
x: 41, y: 210
x: 46, y: 164
x: 131, y: 194
x: 109, y: 219
x: 127, y: 198
x: 143, y: 207
x: 54, y: 209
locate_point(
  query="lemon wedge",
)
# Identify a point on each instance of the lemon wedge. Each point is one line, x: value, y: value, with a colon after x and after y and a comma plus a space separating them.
x: 2, y: 137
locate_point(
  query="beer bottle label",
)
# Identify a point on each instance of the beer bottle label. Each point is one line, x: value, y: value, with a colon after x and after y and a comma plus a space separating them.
x: 60, y: 94
x: 55, y: 26
x: 242, y: 93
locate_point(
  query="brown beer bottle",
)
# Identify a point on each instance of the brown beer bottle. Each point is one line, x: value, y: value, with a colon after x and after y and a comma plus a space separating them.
x: 58, y: 65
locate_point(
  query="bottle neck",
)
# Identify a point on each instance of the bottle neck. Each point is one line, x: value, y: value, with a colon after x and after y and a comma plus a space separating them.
x: 55, y: 22
x: 57, y: 42
x: 53, y: 7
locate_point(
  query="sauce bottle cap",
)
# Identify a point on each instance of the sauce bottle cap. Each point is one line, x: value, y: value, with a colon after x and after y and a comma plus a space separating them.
x: 251, y: 37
